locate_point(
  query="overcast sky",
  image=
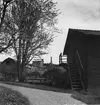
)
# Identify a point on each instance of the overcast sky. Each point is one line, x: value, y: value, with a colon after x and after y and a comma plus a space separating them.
x: 79, y: 14
x: 84, y: 14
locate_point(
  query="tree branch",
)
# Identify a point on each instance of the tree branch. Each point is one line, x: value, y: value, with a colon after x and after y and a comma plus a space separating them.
x: 5, y: 4
x: 11, y: 41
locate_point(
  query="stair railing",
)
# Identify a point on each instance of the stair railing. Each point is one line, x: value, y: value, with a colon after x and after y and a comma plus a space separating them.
x: 70, y: 77
x: 79, y: 59
x: 80, y: 62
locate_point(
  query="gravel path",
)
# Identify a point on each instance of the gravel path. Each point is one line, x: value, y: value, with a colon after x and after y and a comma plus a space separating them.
x: 43, y: 97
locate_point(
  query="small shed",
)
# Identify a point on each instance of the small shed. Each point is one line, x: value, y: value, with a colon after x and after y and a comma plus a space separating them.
x: 9, y: 67
x: 82, y: 48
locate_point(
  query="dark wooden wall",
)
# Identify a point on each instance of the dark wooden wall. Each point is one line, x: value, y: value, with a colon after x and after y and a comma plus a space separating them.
x: 78, y: 40
x: 89, y: 50
x: 93, y: 61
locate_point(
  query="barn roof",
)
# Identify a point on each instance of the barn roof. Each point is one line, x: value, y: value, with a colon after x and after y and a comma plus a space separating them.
x: 84, y: 32
x: 87, y: 32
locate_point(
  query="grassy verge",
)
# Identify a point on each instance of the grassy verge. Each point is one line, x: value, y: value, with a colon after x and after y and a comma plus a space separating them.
x: 11, y: 97
x: 86, y: 97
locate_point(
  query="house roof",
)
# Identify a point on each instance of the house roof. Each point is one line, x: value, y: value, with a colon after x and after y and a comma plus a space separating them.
x: 8, y: 60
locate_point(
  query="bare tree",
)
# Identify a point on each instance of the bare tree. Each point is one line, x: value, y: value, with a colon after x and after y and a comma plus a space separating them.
x: 32, y: 22
x: 5, y: 41
x: 3, y: 6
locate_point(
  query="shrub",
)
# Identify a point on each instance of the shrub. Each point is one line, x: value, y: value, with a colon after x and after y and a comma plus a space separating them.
x: 57, y: 75
x: 11, y: 97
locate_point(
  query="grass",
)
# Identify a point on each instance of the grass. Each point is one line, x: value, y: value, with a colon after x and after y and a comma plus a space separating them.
x: 86, y: 97
x: 11, y: 97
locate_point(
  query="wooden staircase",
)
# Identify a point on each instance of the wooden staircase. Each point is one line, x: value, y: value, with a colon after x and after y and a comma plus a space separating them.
x: 75, y: 77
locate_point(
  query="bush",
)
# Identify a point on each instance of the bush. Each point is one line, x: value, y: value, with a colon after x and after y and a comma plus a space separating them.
x: 11, y: 97
x: 57, y: 76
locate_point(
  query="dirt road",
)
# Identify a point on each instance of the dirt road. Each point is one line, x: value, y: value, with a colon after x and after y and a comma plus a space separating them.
x: 45, y: 97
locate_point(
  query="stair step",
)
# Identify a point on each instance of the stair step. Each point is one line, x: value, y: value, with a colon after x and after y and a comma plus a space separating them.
x: 74, y: 82
x: 77, y: 89
x: 75, y: 74
x: 73, y: 63
x: 73, y: 68
x: 78, y: 86
x: 78, y: 82
x: 75, y: 77
x: 75, y: 71
x: 72, y: 71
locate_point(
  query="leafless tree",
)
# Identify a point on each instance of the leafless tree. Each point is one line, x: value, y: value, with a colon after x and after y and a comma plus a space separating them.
x: 5, y: 42
x: 30, y: 24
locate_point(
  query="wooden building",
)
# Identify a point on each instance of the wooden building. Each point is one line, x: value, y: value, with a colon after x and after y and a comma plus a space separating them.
x: 82, y: 48
x: 9, y: 68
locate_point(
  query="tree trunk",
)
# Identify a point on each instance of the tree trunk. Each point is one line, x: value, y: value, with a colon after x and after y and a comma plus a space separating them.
x: 23, y: 67
x: 19, y: 63
x: 20, y: 77
x: 20, y: 72
x: 24, y: 58
x: 19, y: 68
x: 3, y: 15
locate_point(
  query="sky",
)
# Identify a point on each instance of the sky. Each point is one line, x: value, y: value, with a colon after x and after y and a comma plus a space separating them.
x: 78, y: 14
